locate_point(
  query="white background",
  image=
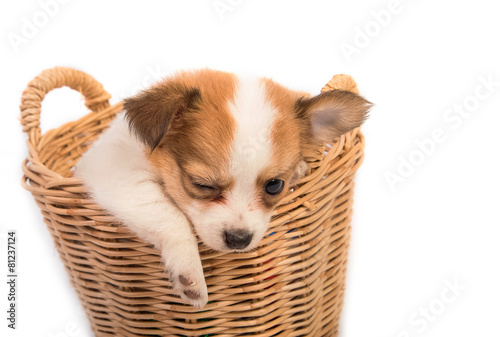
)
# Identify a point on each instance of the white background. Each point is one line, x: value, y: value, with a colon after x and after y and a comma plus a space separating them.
x: 439, y: 225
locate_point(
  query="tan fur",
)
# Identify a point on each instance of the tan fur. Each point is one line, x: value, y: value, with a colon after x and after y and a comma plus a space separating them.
x: 329, y: 115
x: 285, y: 137
x: 198, y: 143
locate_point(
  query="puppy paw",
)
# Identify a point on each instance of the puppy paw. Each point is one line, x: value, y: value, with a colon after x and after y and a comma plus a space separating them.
x: 189, y: 284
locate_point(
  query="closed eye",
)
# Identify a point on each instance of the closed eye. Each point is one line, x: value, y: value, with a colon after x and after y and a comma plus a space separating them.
x: 203, y: 186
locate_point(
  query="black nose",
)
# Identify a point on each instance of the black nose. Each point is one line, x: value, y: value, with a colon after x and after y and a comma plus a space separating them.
x: 237, y: 238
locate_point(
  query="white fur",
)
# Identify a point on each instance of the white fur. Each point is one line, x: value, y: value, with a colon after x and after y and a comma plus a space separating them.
x: 121, y: 179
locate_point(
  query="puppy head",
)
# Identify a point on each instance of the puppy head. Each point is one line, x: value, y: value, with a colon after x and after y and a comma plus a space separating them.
x: 228, y: 149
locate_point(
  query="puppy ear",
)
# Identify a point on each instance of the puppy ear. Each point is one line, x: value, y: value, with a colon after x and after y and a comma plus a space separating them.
x: 330, y: 114
x: 152, y: 112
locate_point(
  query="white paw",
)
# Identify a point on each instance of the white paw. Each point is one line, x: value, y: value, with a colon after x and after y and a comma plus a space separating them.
x: 190, y: 285
x: 187, y: 278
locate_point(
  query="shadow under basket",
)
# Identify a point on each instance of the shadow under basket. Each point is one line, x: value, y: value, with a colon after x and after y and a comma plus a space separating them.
x: 291, y: 285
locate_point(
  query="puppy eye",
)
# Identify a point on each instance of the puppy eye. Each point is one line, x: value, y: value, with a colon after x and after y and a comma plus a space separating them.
x: 274, y: 186
x: 203, y: 186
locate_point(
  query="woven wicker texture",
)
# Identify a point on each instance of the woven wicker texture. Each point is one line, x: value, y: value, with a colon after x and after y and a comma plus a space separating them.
x: 292, y: 285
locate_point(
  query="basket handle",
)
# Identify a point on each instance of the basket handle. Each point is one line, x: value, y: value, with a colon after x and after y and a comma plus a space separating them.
x: 342, y: 82
x: 96, y: 98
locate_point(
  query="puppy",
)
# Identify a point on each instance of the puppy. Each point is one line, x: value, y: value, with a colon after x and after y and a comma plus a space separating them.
x: 210, y: 151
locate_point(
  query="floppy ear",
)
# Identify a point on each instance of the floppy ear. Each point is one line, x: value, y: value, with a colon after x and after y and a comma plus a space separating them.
x: 152, y: 112
x: 330, y: 114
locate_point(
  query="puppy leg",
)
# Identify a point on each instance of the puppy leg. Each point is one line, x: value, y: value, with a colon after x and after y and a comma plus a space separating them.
x: 158, y: 221
x: 179, y: 251
x: 120, y: 179
x: 186, y: 273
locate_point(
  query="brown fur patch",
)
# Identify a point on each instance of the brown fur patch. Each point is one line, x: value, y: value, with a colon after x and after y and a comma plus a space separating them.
x: 303, y: 123
x: 285, y: 140
x: 198, y: 141
x: 205, y: 136
x: 329, y: 115
x: 151, y: 113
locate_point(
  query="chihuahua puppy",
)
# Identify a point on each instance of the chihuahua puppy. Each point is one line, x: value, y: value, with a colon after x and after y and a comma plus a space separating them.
x: 209, y: 152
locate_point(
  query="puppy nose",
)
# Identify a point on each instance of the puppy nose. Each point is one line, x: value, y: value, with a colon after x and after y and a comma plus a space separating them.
x: 237, y: 238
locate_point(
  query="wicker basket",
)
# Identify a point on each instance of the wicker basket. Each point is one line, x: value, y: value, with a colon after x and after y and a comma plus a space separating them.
x: 292, y: 285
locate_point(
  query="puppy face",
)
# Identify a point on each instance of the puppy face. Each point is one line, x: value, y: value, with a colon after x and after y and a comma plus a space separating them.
x: 228, y: 149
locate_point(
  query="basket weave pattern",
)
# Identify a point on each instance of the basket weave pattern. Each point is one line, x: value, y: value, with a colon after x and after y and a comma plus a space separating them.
x: 291, y: 285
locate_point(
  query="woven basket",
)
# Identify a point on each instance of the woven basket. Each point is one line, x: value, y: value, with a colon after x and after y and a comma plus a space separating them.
x: 291, y: 285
